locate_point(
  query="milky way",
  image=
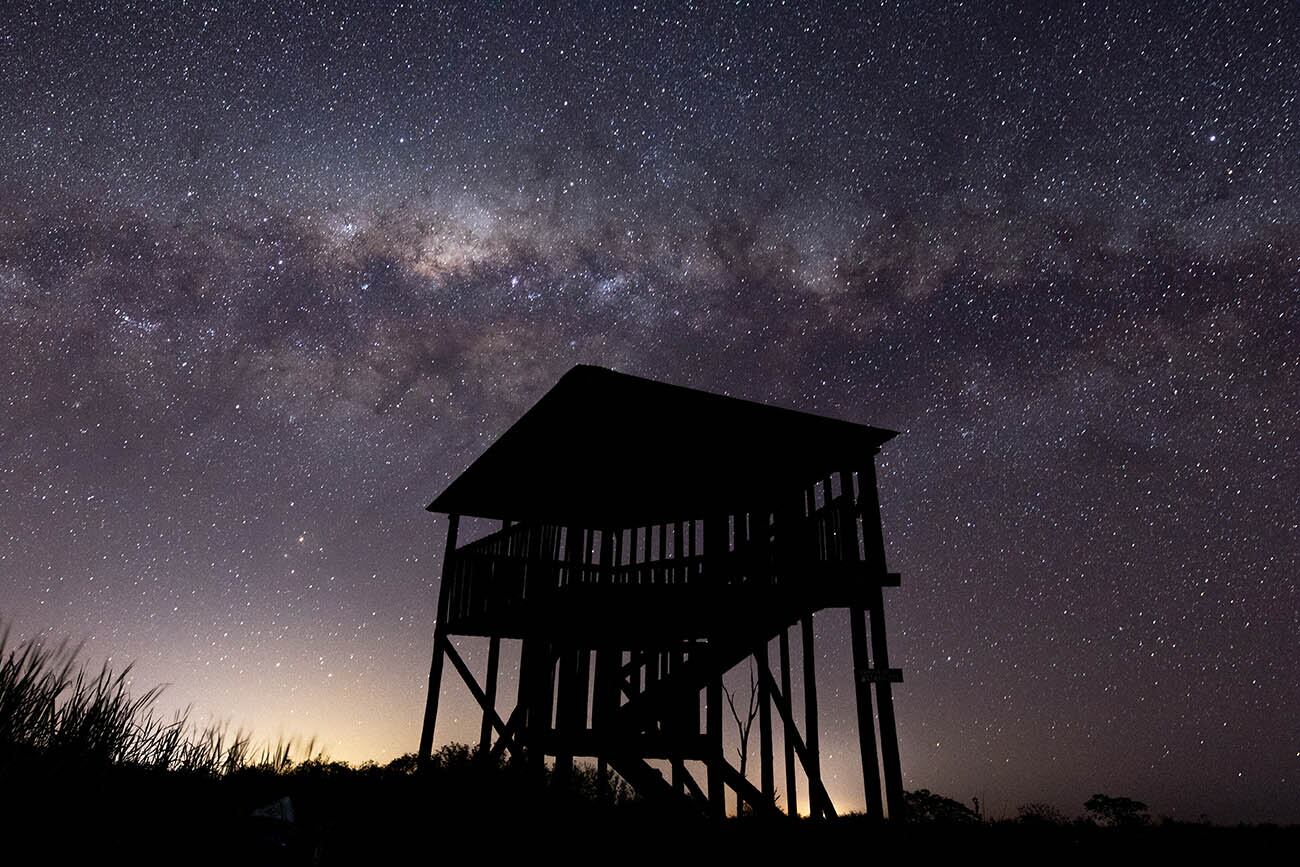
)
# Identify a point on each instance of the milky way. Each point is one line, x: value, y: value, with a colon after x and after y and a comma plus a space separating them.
x: 271, y: 276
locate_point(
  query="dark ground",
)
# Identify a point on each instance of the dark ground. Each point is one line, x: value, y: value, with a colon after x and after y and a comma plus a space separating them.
x: 374, y: 815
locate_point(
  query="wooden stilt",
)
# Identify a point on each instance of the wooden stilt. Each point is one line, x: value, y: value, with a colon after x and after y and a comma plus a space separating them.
x: 431, y: 701
x: 885, y: 709
x: 536, y: 687
x: 866, y: 724
x: 494, y: 661
x: 813, y: 766
x: 435, y: 664
x: 791, y: 783
x: 874, y: 546
x: 717, y: 779
x: 581, y: 691
x: 567, y: 700
x: 604, y: 700
x: 845, y: 522
x: 745, y: 791
x: 548, y: 655
x: 693, y: 787
x: 716, y: 546
x: 475, y: 690
x: 634, y: 680
x: 506, y: 738
x: 766, y: 771
x: 816, y: 792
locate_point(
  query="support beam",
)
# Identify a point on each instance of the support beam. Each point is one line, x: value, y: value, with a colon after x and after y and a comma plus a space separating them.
x: 874, y: 546
x: 571, y: 701
x: 490, y: 682
x: 474, y: 689
x: 713, y: 730
x: 745, y: 790
x: 494, y: 662
x: 536, y: 691
x: 791, y: 783
x: 716, y: 546
x: 766, y: 772
x: 885, y: 710
x: 816, y: 791
x: 846, y: 518
x: 866, y: 723
x: 650, y: 783
x: 431, y: 702
x: 435, y: 664
x: 506, y: 739
x: 609, y: 680
x: 692, y: 787
x: 812, y: 765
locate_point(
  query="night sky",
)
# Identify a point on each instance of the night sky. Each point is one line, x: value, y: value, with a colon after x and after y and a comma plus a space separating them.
x: 272, y: 274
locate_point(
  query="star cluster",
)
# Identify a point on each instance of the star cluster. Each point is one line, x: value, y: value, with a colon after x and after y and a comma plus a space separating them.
x: 272, y: 274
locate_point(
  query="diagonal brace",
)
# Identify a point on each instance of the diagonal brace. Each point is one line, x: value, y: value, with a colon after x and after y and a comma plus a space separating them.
x: 475, y: 690
x: 817, y: 791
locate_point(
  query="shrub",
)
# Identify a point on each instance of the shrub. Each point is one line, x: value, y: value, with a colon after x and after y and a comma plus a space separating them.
x: 1117, y: 812
x: 925, y: 806
x: 1039, y: 813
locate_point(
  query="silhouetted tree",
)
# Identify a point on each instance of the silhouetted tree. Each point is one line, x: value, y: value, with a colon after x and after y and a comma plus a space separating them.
x: 745, y: 726
x: 927, y: 807
x: 1117, y: 812
x: 1039, y: 813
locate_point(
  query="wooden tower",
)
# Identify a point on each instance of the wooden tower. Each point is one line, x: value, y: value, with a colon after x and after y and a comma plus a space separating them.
x: 652, y: 537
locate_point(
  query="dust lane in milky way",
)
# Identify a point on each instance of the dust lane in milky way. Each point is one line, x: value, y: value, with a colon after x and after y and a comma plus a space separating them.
x: 271, y: 277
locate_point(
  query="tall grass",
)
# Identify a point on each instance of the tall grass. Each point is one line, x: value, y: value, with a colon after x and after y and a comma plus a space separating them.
x: 54, y: 709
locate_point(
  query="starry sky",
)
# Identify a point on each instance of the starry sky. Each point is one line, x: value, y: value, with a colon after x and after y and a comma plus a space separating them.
x: 271, y: 274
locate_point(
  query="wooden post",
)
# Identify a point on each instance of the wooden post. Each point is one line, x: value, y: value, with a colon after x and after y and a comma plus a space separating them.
x: 866, y: 724
x: 536, y: 694
x: 493, y: 663
x: 715, y: 550
x: 490, y: 681
x: 816, y: 792
x: 575, y: 662
x: 581, y: 691
x: 474, y: 689
x: 439, y: 636
x: 544, y: 703
x: 566, y: 709
x: 885, y: 710
x: 791, y: 784
x: 529, y: 665
x: 869, y: 509
x: 679, y: 569
x: 845, y: 522
x: 605, y: 698
x: 717, y: 776
x: 814, y: 767
x: 767, y: 776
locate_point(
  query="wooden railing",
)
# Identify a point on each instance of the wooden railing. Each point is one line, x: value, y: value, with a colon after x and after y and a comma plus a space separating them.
x: 525, y: 562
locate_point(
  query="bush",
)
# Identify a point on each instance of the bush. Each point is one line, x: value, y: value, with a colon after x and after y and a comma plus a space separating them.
x: 1117, y: 812
x: 1039, y: 813
x: 924, y: 806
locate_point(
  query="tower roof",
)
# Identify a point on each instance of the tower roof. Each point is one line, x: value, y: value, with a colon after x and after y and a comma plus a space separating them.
x: 604, y: 448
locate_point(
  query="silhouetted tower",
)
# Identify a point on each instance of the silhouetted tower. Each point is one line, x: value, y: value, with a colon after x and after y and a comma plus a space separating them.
x: 652, y: 537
